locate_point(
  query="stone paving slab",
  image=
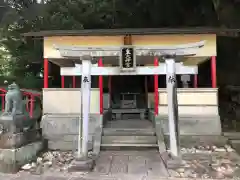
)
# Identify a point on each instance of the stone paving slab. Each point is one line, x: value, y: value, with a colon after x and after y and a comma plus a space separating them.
x: 104, y: 164
x: 131, y: 163
x: 7, y: 176
x: 137, y: 165
x: 35, y: 177
x: 119, y: 164
x: 93, y: 176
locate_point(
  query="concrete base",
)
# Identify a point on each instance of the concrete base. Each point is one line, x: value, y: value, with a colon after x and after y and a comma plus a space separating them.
x: 82, y: 165
x: 17, y: 123
x: 192, y: 141
x: 61, y: 130
x: 71, y: 145
x: 194, y: 125
x: 11, y: 160
x: 175, y: 163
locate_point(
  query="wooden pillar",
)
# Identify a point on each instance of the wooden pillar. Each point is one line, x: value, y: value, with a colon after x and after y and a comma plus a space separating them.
x: 62, y: 82
x: 146, y: 89
x: 156, y: 98
x: 110, y: 90
x: 195, y: 81
x: 100, y: 83
x: 3, y: 101
x: 74, y: 82
x: 31, y: 105
x: 45, y: 73
x: 213, y: 72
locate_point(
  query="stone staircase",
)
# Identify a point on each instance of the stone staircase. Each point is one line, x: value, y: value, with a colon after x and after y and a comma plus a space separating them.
x: 233, y: 139
x: 133, y: 138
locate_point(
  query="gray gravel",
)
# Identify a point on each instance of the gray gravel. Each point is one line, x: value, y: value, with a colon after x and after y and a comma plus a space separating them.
x: 198, y: 162
x: 208, y: 162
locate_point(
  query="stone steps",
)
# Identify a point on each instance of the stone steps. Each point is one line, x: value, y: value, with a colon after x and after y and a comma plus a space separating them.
x: 129, y: 145
x: 232, y: 135
x: 129, y: 139
x: 233, y: 139
x: 124, y: 137
x: 132, y: 131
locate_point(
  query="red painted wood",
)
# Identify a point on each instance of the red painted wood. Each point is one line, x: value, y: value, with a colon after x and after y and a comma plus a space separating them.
x: 156, y: 98
x: 3, y: 101
x: 214, y: 72
x: 195, y: 81
x: 100, y: 83
x: 74, y: 82
x: 110, y: 89
x: 45, y: 73
x: 31, y: 106
x: 62, y: 82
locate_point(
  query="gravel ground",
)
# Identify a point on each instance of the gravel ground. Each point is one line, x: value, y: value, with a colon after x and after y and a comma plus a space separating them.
x: 203, y: 162
x: 208, y: 162
x: 50, y: 162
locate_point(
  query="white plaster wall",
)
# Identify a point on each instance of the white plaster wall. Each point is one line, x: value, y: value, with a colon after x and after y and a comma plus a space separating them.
x: 192, y: 96
x: 192, y: 101
x: 191, y: 110
x: 68, y: 101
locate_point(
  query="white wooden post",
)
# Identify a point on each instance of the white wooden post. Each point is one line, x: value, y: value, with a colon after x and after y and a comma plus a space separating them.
x: 85, y: 97
x: 172, y: 106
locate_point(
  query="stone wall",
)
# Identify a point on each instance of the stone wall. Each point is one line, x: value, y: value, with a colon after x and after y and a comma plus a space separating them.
x: 194, y: 125
x: 61, y: 130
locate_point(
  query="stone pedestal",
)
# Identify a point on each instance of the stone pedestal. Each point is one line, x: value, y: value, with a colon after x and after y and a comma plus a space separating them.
x: 16, y: 123
x: 18, y: 149
x: 175, y: 162
x: 11, y: 160
x: 18, y: 146
x: 82, y: 165
x: 11, y: 141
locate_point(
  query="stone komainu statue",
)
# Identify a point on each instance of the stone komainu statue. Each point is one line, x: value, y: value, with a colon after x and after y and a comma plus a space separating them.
x: 14, y: 102
x: 15, y: 118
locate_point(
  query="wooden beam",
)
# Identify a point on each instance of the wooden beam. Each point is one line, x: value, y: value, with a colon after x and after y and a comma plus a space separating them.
x: 193, y: 61
x: 144, y: 70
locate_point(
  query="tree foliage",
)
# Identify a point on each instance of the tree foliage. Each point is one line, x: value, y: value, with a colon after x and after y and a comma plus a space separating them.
x: 19, y: 16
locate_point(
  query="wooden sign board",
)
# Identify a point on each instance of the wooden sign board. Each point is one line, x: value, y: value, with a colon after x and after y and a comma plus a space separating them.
x: 127, y: 58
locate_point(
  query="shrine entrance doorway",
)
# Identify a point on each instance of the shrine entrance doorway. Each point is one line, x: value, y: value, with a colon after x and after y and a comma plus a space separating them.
x: 128, y: 99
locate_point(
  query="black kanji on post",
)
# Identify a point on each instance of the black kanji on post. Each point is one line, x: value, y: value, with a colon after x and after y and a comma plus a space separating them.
x: 85, y: 79
x: 171, y: 79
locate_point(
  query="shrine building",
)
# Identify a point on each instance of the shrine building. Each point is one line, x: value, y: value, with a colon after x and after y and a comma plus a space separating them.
x: 119, y: 71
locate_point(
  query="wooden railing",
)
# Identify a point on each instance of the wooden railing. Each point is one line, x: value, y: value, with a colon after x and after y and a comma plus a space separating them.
x: 29, y: 95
